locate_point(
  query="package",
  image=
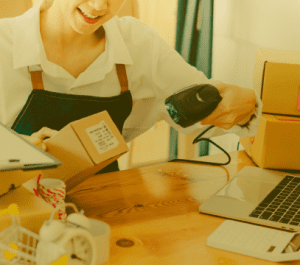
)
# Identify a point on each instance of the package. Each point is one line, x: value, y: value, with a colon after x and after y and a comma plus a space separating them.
x: 33, y: 210
x: 276, y: 145
x: 84, y: 147
x: 277, y: 81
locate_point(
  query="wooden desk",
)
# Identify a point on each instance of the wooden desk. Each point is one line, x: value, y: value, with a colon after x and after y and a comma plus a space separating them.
x: 153, y: 212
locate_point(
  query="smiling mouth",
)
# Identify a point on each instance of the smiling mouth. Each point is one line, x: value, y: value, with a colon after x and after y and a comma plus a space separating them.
x: 86, y: 15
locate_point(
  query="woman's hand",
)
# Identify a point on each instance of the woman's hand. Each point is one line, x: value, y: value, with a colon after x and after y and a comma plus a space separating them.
x: 38, y: 137
x: 236, y: 107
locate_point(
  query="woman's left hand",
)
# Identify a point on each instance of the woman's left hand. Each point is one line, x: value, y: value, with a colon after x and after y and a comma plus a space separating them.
x: 38, y: 137
x: 236, y: 107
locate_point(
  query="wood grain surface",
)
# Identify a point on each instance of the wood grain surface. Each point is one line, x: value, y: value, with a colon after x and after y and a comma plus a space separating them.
x: 153, y: 211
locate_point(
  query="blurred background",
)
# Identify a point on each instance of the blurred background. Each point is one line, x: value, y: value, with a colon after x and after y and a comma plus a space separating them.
x: 220, y: 38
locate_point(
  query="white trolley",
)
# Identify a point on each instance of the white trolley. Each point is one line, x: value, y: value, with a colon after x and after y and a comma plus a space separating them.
x: 17, y: 244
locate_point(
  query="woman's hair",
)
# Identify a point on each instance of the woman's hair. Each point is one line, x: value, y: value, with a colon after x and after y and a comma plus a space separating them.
x: 46, y: 4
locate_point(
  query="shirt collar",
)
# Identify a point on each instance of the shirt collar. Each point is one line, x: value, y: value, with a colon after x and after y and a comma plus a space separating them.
x: 28, y: 49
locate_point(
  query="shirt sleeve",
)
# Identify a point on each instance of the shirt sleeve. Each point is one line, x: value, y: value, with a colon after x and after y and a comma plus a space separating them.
x: 171, y: 73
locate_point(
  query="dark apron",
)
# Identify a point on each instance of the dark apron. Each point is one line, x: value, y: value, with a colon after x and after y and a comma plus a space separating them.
x: 56, y: 110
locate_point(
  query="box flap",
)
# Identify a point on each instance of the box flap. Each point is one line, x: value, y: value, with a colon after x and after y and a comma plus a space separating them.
x: 100, y: 137
x: 281, y: 118
x: 82, y: 176
x: 287, y: 119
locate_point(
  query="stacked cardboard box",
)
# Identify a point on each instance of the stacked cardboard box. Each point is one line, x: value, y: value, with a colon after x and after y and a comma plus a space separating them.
x: 277, y: 80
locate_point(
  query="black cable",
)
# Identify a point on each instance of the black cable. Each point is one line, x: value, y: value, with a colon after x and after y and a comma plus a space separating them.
x: 199, y: 139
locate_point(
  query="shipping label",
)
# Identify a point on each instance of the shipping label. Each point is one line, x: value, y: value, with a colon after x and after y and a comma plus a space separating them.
x: 102, y: 137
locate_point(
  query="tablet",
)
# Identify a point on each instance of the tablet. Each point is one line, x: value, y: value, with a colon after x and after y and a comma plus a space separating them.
x: 18, y: 153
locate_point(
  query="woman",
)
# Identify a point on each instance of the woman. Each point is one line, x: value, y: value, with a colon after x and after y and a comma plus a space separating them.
x: 67, y: 59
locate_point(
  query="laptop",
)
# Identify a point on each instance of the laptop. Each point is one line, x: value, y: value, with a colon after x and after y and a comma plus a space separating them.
x: 258, y: 196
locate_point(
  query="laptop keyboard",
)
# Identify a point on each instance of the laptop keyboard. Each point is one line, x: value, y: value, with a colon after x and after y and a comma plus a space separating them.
x: 282, y: 204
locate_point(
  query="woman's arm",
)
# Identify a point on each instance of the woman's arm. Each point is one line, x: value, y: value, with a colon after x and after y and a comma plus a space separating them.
x: 238, y: 112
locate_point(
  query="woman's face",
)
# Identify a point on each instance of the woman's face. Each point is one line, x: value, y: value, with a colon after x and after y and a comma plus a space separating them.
x: 86, y: 16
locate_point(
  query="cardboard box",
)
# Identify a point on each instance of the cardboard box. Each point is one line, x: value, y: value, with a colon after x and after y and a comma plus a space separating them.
x: 276, y: 145
x: 277, y: 81
x: 15, y: 178
x: 85, y: 147
x: 33, y: 210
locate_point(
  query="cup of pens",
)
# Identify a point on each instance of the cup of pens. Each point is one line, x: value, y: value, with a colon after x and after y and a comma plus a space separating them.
x: 53, y: 191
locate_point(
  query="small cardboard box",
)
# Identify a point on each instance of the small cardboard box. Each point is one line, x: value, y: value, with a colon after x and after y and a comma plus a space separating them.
x: 33, y: 210
x: 277, y: 81
x: 85, y: 147
x: 276, y: 145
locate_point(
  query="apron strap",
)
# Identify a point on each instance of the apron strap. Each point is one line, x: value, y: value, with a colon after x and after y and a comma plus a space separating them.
x: 36, y: 79
x: 121, y: 71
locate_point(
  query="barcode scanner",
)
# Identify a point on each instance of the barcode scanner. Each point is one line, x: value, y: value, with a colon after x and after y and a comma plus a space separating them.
x: 191, y: 105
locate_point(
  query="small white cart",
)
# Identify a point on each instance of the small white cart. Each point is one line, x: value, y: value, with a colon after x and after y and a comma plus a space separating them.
x: 17, y: 244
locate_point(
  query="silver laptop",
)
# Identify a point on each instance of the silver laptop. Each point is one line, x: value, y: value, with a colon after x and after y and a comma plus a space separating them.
x: 260, y: 196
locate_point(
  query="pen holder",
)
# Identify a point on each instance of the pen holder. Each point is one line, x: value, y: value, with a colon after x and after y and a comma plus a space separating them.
x: 53, y: 191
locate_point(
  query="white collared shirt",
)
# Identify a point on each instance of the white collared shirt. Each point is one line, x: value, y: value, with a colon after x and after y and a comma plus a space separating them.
x: 154, y: 70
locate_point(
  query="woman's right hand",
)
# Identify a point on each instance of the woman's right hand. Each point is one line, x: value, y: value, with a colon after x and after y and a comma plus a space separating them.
x: 236, y: 107
x: 38, y: 137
